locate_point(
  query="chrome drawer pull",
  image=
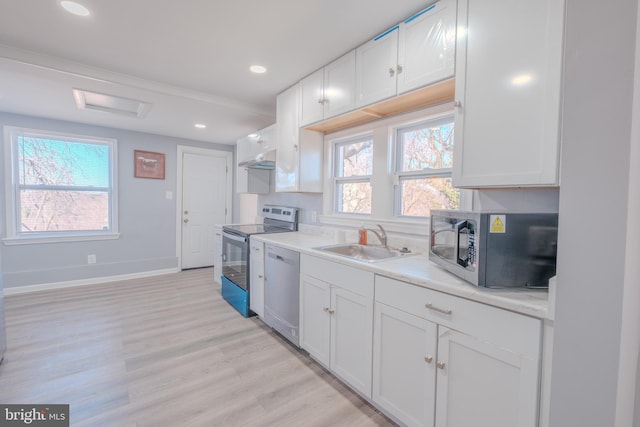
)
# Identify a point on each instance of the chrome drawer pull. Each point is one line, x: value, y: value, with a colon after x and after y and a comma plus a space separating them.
x: 438, y: 309
x: 428, y: 358
x: 441, y: 365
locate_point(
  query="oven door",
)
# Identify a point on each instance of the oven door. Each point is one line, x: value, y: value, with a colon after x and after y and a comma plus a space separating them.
x: 235, y: 259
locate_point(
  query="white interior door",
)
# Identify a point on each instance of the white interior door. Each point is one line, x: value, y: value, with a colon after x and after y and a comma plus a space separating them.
x: 205, y: 202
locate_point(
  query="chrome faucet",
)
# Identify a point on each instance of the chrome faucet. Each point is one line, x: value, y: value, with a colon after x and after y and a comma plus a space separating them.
x: 382, y: 236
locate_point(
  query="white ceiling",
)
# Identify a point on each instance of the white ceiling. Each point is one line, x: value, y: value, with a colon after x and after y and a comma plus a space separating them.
x: 189, y: 59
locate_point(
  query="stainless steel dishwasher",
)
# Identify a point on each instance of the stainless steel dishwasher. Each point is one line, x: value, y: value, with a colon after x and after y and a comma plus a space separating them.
x: 282, y: 291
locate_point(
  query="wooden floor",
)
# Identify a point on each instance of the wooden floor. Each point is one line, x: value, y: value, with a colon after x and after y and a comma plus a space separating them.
x: 165, y: 351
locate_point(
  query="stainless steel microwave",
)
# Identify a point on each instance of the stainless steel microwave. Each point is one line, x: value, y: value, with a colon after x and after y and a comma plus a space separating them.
x: 497, y: 249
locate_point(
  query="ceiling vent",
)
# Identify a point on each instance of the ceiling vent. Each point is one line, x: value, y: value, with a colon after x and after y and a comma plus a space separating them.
x: 110, y: 103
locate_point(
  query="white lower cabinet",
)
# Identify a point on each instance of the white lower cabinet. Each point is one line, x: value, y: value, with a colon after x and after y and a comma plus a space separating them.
x: 336, y: 323
x: 446, y: 361
x: 484, y: 384
x: 404, y: 365
x: 217, y: 253
x: 256, y: 277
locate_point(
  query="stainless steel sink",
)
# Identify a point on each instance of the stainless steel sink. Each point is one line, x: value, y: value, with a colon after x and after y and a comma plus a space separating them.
x: 363, y: 252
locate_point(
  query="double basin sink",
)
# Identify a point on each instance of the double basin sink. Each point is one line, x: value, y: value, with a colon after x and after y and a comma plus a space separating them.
x: 364, y: 253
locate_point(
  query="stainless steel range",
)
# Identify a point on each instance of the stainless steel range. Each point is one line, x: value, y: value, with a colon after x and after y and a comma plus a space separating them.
x: 236, y: 254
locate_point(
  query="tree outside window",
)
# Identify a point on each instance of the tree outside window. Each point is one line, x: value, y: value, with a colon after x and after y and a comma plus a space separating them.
x: 62, y: 184
x: 424, y: 166
x: 353, y: 169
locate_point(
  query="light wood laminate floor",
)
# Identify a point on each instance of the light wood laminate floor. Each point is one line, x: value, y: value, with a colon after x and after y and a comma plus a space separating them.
x: 165, y: 351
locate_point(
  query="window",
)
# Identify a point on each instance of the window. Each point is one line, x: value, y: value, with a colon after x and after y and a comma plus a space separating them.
x: 424, y: 155
x: 60, y: 185
x: 353, y: 167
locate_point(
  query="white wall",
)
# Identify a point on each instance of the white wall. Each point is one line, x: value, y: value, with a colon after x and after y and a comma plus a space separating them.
x: 593, y: 209
x: 147, y: 220
x: 628, y: 383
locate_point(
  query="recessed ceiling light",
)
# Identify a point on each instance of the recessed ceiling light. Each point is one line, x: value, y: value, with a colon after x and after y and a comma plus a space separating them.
x: 253, y: 135
x: 75, y: 8
x: 258, y: 69
x: 200, y: 126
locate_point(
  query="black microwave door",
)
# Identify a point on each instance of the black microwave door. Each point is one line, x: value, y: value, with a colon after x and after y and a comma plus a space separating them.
x: 443, y: 238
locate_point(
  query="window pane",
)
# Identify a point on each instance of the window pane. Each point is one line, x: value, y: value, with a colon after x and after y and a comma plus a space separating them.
x: 355, y: 159
x: 430, y: 147
x: 62, y: 163
x: 421, y: 195
x: 55, y: 210
x: 354, y: 197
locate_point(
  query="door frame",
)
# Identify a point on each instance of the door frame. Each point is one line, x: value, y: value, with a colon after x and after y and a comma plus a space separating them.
x: 181, y: 150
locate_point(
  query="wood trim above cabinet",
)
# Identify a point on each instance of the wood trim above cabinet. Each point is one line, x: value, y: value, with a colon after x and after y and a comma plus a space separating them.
x: 431, y: 95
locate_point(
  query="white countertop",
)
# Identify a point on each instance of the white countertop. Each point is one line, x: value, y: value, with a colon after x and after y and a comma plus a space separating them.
x: 418, y: 270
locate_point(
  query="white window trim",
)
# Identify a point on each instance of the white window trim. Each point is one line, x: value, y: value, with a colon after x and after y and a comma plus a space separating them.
x: 10, y: 166
x: 382, y: 129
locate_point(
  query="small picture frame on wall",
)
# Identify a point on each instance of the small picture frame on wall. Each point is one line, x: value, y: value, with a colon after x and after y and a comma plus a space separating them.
x: 148, y: 164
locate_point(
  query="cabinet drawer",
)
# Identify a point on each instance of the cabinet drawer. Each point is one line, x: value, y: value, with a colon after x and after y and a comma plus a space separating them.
x: 515, y: 331
x: 349, y: 278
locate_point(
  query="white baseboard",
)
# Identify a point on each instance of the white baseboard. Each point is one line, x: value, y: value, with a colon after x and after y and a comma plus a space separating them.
x: 84, y: 282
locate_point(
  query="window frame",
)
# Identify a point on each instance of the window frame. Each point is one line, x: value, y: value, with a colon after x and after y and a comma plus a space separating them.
x: 340, y: 180
x: 426, y: 173
x: 12, y: 188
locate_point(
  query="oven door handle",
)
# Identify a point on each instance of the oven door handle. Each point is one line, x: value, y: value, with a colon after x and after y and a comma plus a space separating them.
x: 234, y: 237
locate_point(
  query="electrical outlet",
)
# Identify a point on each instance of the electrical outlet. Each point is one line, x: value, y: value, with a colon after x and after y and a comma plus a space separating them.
x: 91, y: 259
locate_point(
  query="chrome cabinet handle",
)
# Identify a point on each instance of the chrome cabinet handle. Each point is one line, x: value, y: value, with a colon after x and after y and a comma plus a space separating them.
x: 331, y: 311
x: 392, y: 72
x: 457, y: 104
x: 260, y: 276
x: 186, y: 220
x: 438, y: 309
x: 441, y: 365
x: 428, y: 358
x: 399, y: 69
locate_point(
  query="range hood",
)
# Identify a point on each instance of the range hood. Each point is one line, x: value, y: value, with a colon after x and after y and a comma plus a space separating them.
x: 266, y: 160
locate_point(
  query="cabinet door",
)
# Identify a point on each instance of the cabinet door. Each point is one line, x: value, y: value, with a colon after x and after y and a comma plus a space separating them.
x: 340, y: 85
x: 510, y: 53
x: 315, y: 318
x: 426, y: 52
x: 352, y: 338
x: 217, y: 253
x: 256, y: 281
x: 312, y: 98
x: 404, y: 365
x: 376, y: 68
x: 484, y: 385
x: 287, y: 159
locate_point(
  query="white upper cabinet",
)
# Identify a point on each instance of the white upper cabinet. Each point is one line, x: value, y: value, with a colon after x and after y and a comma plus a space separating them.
x: 312, y: 103
x: 508, y: 75
x: 376, y: 63
x: 299, y: 151
x: 340, y: 85
x: 426, y: 52
x: 417, y: 52
x: 329, y: 91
